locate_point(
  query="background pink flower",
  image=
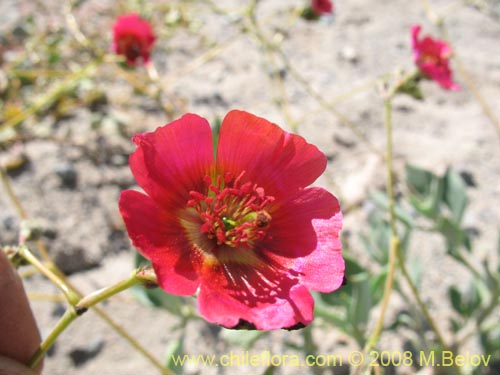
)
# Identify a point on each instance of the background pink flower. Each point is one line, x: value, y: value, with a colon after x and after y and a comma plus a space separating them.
x: 133, y: 37
x: 322, y: 6
x: 432, y: 58
x: 242, y: 228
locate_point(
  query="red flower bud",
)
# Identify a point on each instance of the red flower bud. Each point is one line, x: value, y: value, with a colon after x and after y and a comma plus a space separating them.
x: 133, y: 38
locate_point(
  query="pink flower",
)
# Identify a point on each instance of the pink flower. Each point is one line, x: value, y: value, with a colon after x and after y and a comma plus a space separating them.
x: 133, y: 37
x: 322, y: 6
x: 240, y: 227
x: 432, y: 57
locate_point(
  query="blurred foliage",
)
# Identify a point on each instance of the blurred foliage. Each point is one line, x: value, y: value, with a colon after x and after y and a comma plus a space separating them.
x: 431, y: 204
x: 49, y: 72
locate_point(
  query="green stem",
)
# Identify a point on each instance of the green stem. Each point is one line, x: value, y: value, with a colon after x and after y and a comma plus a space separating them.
x: 52, y: 95
x: 275, y: 48
x: 105, y: 293
x: 459, y: 256
x: 131, y: 340
x: 12, y: 195
x: 460, y: 66
x: 394, y: 245
x: 69, y: 293
x: 424, y: 309
x: 63, y: 323
x: 137, y: 277
x: 392, y: 217
x: 488, y: 111
x: 310, y: 347
x: 493, y: 304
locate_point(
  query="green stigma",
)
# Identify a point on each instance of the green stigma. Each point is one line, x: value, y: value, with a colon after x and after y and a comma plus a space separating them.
x: 228, y: 223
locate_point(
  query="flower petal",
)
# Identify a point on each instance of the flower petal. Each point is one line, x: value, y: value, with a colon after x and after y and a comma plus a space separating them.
x: 281, y: 162
x: 415, y: 31
x: 322, y: 6
x: 133, y: 37
x: 305, y: 237
x: 262, y: 296
x: 158, y: 237
x: 432, y: 58
x: 173, y: 160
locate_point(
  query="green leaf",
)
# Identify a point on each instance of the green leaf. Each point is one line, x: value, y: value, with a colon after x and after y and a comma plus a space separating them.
x: 241, y: 337
x: 175, y: 349
x: 157, y: 297
x: 498, y: 248
x: 362, y: 302
x: 322, y: 310
x: 456, y: 299
x: 427, y: 190
x: 456, y: 325
x: 419, y: 180
x: 380, y: 199
x: 465, y: 304
x: 416, y: 270
x: 411, y: 88
x: 378, y: 238
x: 377, y: 284
x: 472, y: 300
x: 490, y: 341
x: 455, y: 195
x: 454, y: 235
x: 270, y: 370
x: 353, y: 272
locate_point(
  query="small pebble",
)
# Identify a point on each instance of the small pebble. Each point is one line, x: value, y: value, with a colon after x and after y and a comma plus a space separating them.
x: 68, y: 175
x: 349, y: 54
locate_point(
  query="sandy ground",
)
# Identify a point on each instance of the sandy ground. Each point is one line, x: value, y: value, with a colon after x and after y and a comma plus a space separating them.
x: 364, y: 40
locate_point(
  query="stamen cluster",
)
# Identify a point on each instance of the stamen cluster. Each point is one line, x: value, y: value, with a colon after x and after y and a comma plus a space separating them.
x: 232, y: 213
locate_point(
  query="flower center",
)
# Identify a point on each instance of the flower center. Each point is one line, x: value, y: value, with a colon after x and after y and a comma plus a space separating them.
x: 232, y: 213
x: 130, y: 46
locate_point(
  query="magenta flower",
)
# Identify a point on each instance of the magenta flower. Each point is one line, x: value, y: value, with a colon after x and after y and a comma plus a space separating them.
x: 241, y: 227
x: 322, y: 6
x: 133, y: 38
x: 432, y: 57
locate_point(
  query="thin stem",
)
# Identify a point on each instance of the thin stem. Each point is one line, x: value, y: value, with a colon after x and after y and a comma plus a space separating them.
x: 468, y: 264
x: 52, y: 268
x: 471, y: 85
x: 131, y: 340
x: 274, y: 74
x: 274, y: 47
x: 139, y: 276
x: 390, y: 169
x: 466, y: 77
x: 310, y: 347
x: 100, y: 295
x: 394, y: 244
x: 70, y: 294
x: 73, y: 26
x: 12, y: 195
x: 389, y: 283
x: 63, y: 323
x: 52, y: 95
x: 22, y: 213
x: 199, y: 61
x: 424, y: 309
x: 493, y: 304
x: 395, y: 250
x: 103, y: 294
x: 34, y: 296
x: 326, y: 105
